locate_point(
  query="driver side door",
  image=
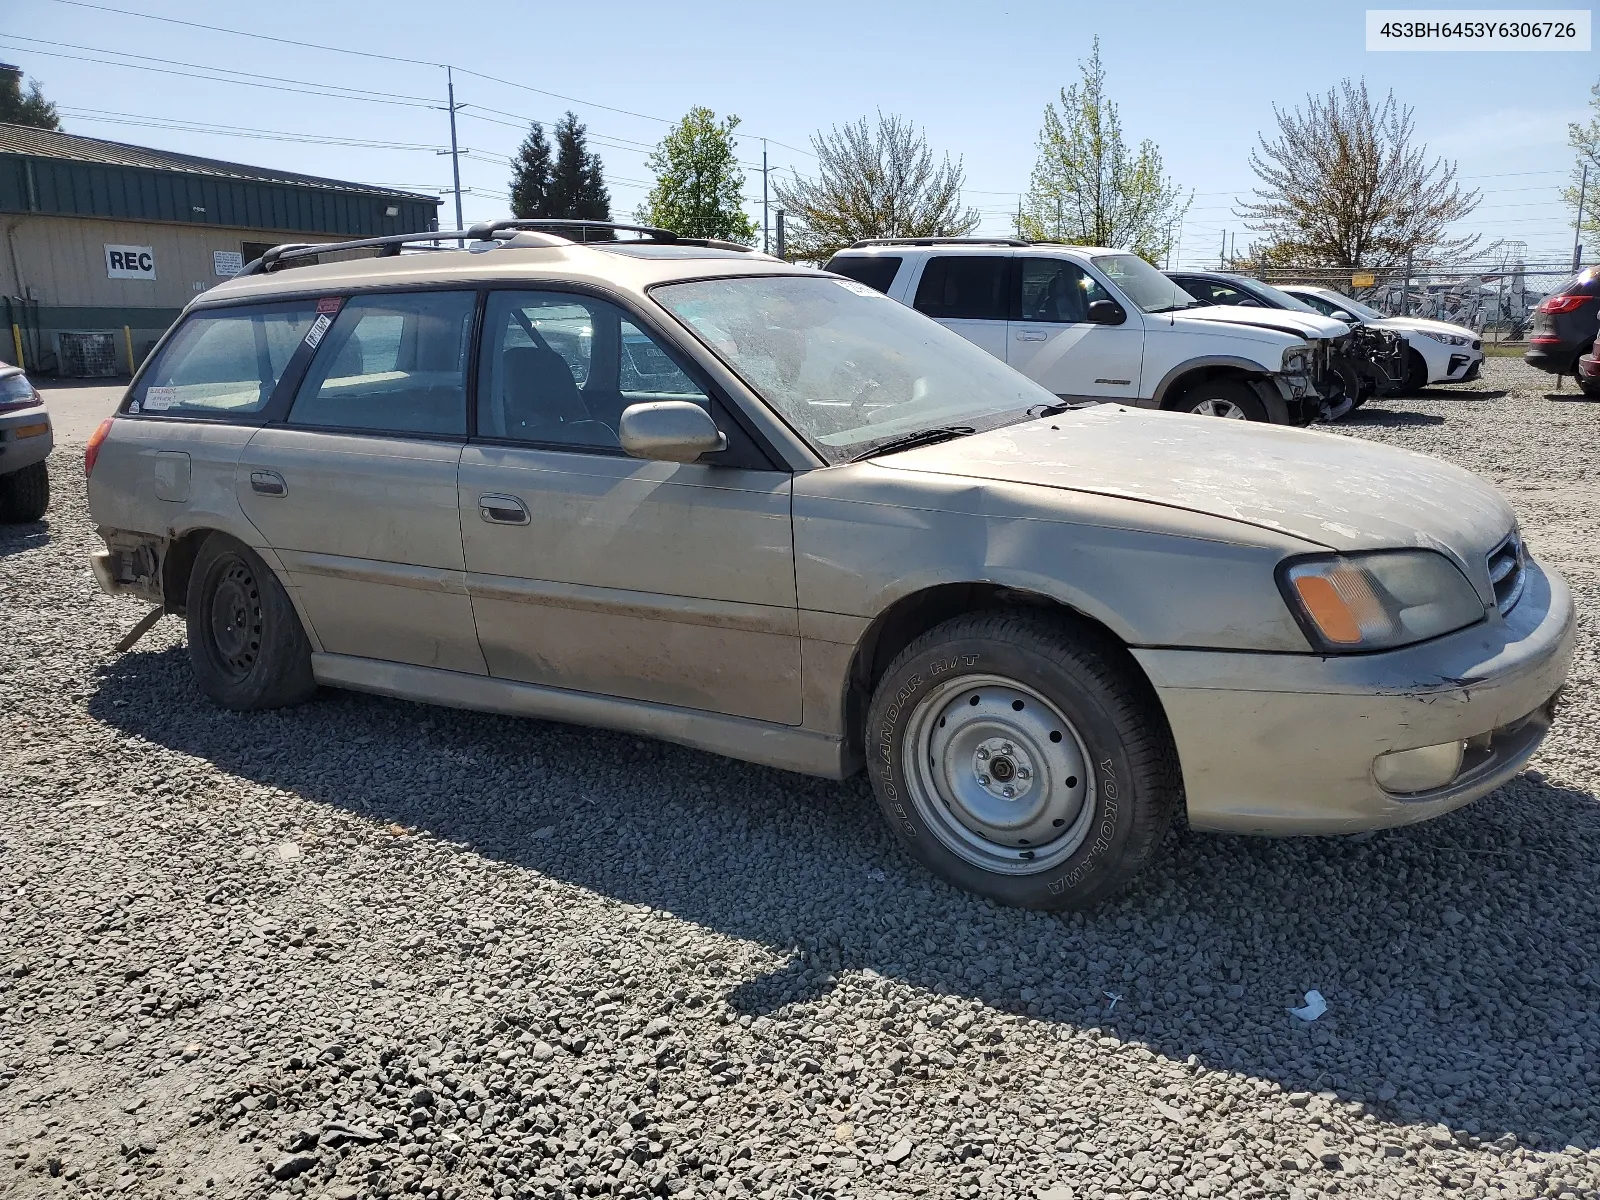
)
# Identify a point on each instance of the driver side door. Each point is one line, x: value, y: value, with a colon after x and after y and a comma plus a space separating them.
x: 1053, y: 342
x: 670, y: 583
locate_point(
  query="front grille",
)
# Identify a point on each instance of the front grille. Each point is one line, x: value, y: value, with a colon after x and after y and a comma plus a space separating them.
x: 1507, y: 573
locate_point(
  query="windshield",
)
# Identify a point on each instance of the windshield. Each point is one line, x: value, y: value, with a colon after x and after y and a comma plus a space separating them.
x: 1282, y: 299
x: 1355, y: 307
x: 1148, y: 288
x: 846, y: 367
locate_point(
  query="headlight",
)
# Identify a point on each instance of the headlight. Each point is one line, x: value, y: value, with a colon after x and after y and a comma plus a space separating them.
x: 1296, y: 360
x: 1379, y: 599
x: 1449, y: 339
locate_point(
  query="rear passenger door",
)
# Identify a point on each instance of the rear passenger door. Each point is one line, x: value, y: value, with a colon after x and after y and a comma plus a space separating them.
x: 968, y: 293
x: 355, y: 487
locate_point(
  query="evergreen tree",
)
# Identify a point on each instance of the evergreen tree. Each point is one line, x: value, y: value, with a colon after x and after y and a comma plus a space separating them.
x: 531, y: 173
x: 577, y: 185
x: 699, y: 189
x: 19, y: 109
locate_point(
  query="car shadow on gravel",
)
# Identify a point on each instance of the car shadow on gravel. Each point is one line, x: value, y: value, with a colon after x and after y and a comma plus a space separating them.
x: 1389, y: 418
x: 15, y: 539
x: 1457, y: 957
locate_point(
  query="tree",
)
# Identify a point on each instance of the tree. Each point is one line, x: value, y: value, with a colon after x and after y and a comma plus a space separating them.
x: 577, y: 186
x: 1088, y: 187
x: 699, y: 189
x: 19, y: 109
x: 1585, y: 139
x: 531, y: 171
x: 879, y: 182
x: 1343, y: 186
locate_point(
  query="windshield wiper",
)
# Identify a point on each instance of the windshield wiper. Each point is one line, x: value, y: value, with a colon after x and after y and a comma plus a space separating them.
x: 1051, y: 410
x: 922, y: 437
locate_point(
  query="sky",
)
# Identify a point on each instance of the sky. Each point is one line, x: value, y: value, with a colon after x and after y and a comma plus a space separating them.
x: 1199, y: 80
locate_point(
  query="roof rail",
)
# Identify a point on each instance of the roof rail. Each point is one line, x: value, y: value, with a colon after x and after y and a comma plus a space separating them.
x: 484, y: 231
x: 938, y: 241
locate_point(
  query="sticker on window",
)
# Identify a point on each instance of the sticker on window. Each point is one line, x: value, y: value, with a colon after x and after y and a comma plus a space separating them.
x: 159, y: 399
x: 329, y: 304
x: 318, y: 328
x: 860, y: 289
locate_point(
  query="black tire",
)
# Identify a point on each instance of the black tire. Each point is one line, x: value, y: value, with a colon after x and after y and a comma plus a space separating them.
x: 1589, y: 387
x: 1126, y: 799
x: 25, y: 494
x: 246, y: 645
x: 1203, y: 398
x: 1416, y: 374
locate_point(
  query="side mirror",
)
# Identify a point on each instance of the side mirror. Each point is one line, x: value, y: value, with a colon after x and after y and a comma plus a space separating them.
x: 1106, y: 312
x: 669, y: 431
x: 1339, y: 314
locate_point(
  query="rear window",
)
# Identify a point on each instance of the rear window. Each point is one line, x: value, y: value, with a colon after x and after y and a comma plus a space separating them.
x: 964, y: 287
x: 876, y: 271
x: 1585, y: 283
x: 224, y: 363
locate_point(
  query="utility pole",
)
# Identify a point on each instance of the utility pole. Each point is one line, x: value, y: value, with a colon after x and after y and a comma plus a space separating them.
x: 766, y: 245
x: 779, y: 215
x: 1222, y: 255
x: 455, y: 154
x: 1577, y: 233
x: 1405, y: 289
x: 1233, y: 250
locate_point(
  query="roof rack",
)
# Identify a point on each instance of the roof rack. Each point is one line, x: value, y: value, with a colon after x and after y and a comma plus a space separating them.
x: 939, y: 241
x: 484, y: 231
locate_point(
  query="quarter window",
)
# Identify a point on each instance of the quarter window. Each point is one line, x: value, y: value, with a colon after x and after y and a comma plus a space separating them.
x: 963, y: 287
x: 392, y: 363
x: 224, y: 363
x: 559, y: 368
x: 877, y: 271
x: 1054, y: 289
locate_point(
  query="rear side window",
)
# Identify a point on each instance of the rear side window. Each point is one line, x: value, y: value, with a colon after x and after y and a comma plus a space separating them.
x: 964, y: 287
x: 224, y: 363
x: 876, y: 271
x: 392, y: 364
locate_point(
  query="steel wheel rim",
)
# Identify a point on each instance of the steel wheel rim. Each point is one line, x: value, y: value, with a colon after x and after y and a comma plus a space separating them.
x: 234, y: 619
x: 966, y: 743
x: 1226, y: 409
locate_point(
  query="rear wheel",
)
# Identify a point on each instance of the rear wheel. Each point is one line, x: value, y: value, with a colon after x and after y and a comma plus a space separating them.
x: 25, y: 494
x: 246, y: 645
x: 1222, y: 398
x: 1589, y: 387
x: 1017, y: 757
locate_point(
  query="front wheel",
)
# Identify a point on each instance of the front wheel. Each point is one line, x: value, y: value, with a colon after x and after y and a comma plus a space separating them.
x: 25, y: 494
x: 246, y: 645
x: 1223, y: 398
x: 1019, y: 758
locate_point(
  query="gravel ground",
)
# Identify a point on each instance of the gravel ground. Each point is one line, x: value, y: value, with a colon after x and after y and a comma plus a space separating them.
x: 365, y: 948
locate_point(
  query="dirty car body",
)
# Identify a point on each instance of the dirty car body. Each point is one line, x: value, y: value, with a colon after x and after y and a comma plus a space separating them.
x: 752, y: 508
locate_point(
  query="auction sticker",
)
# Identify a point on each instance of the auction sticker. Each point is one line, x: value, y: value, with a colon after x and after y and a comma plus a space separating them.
x: 318, y: 328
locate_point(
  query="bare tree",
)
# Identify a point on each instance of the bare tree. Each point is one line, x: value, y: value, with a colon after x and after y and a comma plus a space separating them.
x: 1585, y: 139
x: 879, y: 182
x: 1089, y: 188
x: 1343, y: 186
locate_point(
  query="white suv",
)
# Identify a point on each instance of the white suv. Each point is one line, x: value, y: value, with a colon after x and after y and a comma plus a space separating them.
x: 1104, y: 325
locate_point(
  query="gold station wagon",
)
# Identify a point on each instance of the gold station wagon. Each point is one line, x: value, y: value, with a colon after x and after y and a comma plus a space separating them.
x: 682, y: 489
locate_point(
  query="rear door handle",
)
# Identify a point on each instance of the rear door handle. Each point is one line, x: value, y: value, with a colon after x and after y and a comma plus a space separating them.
x: 502, y: 510
x: 268, y: 483
x: 1028, y: 335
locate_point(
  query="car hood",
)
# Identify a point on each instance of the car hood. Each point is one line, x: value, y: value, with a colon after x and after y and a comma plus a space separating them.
x: 1330, y: 489
x: 1284, y: 320
x: 1411, y: 324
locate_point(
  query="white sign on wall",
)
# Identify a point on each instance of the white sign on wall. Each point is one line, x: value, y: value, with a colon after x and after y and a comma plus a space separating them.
x: 130, y: 262
x: 227, y: 263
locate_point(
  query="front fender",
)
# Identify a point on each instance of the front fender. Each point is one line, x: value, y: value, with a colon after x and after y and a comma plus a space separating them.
x: 1175, y: 374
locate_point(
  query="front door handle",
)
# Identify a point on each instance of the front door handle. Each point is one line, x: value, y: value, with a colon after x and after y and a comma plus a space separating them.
x: 502, y: 510
x: 268, y: 483
x: 1029, y: 335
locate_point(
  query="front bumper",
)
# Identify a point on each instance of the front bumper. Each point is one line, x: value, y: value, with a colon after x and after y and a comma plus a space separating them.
x: 1285, y: 743
x: 25, y: 437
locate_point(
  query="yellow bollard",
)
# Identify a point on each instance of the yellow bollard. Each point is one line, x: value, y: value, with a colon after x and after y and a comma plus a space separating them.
x: 16, y: 340
x: 127, y: 338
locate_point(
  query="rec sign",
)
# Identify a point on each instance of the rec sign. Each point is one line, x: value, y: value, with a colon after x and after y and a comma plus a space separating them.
x: 130, y: 262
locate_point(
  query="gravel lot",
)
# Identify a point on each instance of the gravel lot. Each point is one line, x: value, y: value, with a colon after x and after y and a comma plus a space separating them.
x: 365, y: 948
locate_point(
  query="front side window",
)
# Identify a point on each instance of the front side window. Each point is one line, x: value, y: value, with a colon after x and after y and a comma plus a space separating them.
x: 224, y: 363
x: 395, y: 363
x: 967, y: 287
x: 559, y: 368
x: 1054, y: 289
x: 848, y: 369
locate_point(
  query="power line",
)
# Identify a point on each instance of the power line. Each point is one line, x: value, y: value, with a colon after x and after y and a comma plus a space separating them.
x: 101, y: 116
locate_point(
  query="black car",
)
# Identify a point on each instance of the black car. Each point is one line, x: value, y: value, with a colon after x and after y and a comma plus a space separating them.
x: 1369, y: 361
x: 1565, y: 324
